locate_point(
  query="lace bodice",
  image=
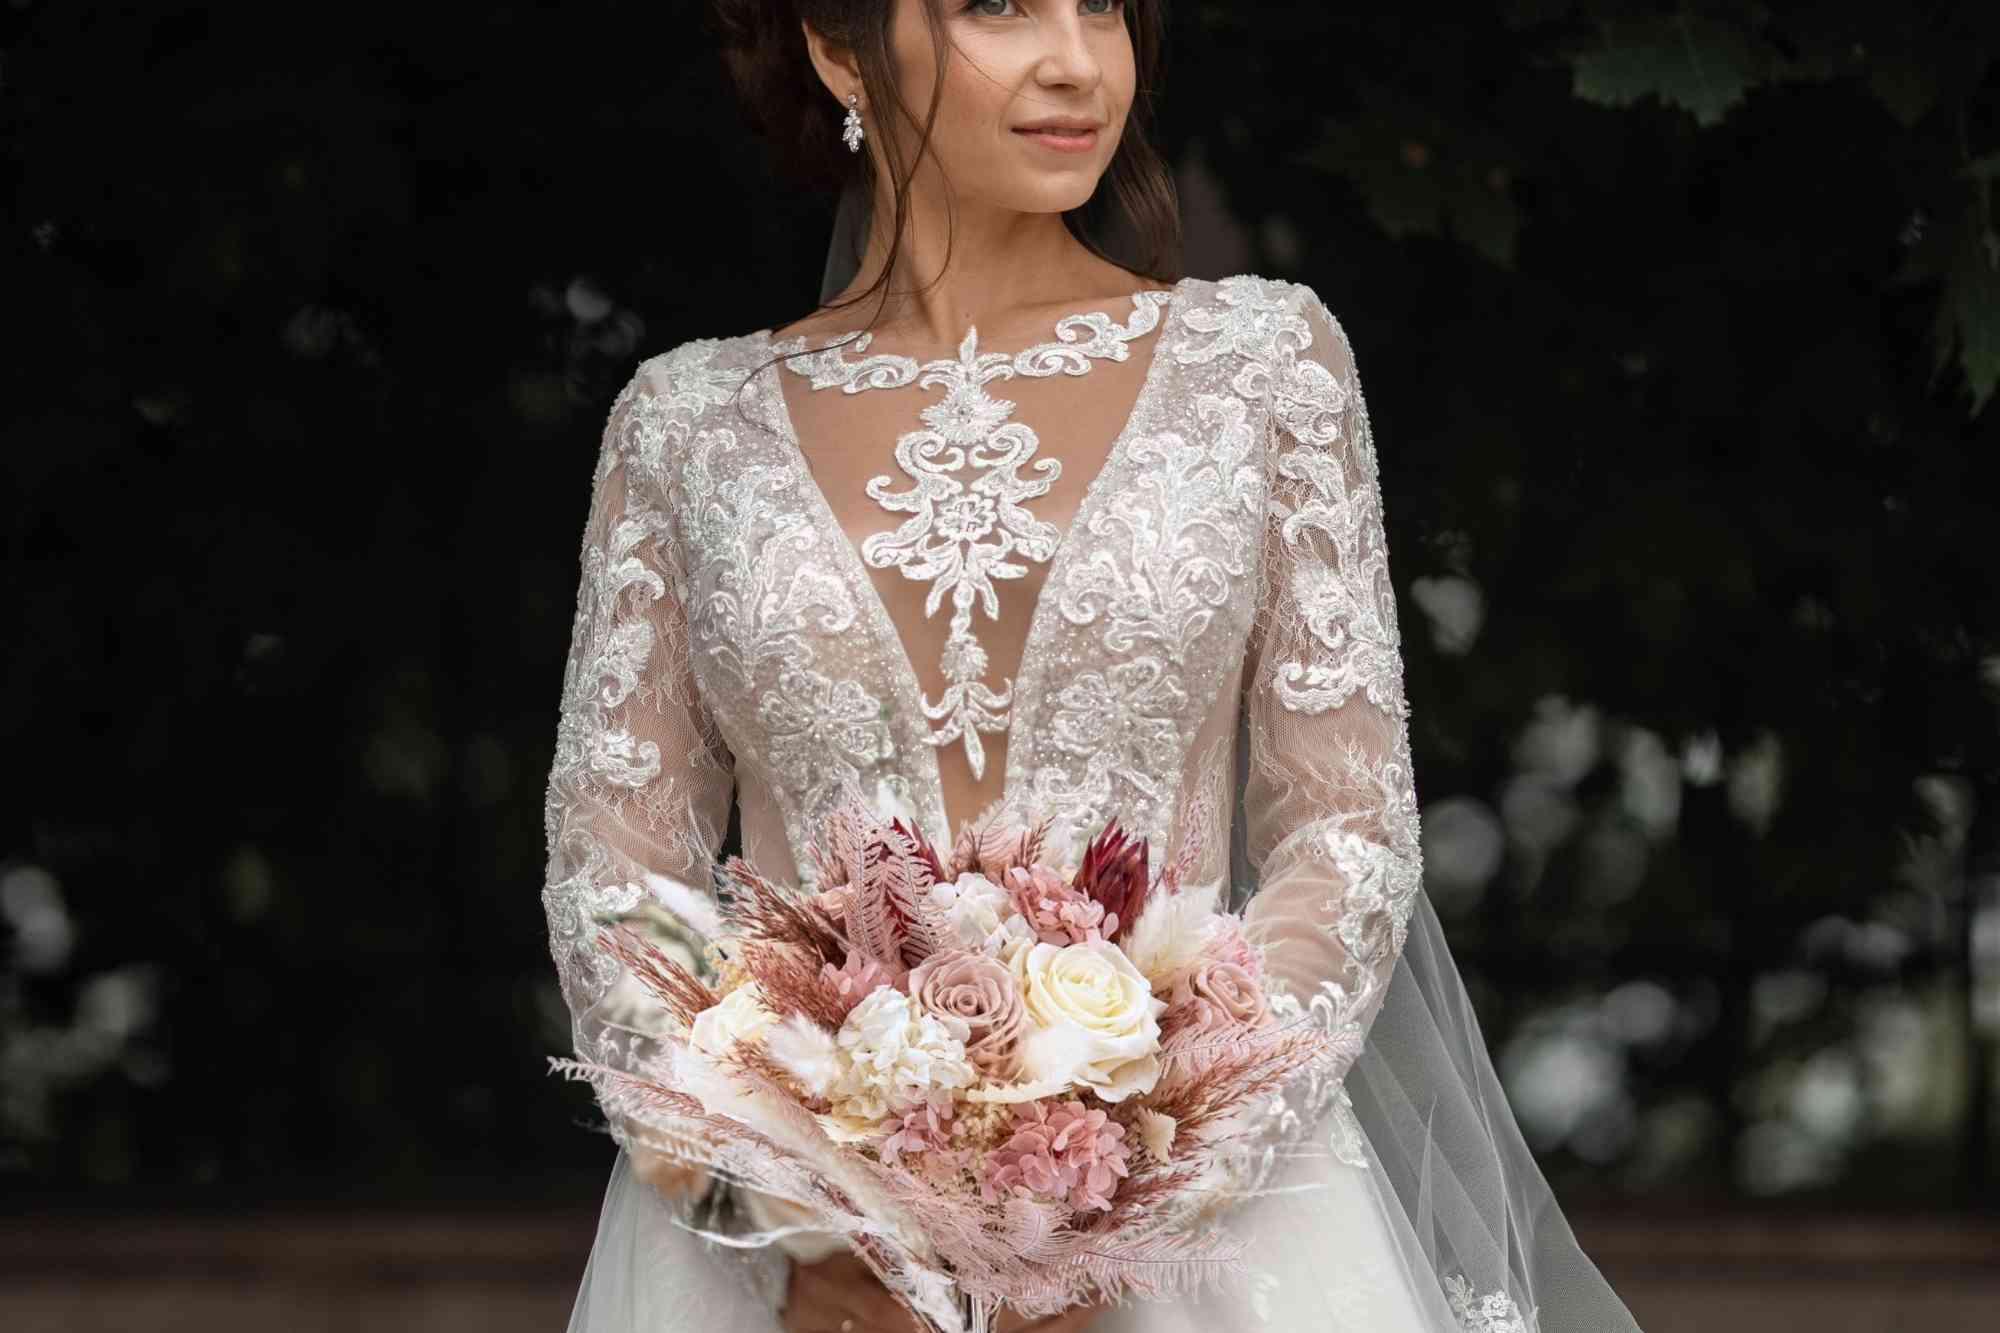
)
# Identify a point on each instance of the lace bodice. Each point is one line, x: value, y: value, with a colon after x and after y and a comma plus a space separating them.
x: 1070, y: 578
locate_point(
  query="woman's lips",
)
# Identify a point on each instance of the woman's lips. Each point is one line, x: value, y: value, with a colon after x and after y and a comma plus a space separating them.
x: 1063, y: 141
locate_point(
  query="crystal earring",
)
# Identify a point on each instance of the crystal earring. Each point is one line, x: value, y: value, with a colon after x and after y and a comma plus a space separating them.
x: 850, y: 129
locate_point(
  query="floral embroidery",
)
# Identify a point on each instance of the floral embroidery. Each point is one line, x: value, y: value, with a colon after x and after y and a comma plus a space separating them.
x: 1121, y: 722
x: 1171, y: 563
x: 759, y: 610
x: 1182, y: 556
x: 611, y: 781
x: 1233, y: 539
x: 811, y: 716
x: 964, y: 536
x: 1243, y: 324
x: 1493, y: 1312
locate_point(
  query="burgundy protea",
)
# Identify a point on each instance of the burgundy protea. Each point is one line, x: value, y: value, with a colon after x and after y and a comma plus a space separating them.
x: 1114, y: 873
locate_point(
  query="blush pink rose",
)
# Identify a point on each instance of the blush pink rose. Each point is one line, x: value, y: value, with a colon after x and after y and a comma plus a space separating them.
x: 1227, y: 944
x: 980, y: 992
x: 1214, y: 996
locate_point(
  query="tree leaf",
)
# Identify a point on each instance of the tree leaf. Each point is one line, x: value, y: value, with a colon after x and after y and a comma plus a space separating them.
x: 1697, y: 64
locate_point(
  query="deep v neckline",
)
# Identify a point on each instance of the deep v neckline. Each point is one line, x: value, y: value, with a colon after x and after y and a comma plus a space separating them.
x: 938, y: 819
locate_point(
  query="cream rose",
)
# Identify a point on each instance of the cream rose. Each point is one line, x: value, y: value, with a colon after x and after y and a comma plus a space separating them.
x: 1092, y: 1019
x: 740, y: 1016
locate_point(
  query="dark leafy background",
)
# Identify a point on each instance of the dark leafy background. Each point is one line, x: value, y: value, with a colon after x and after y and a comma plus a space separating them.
x: 1680, y: 330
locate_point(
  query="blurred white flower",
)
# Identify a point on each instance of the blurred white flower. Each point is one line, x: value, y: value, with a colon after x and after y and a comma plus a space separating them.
x: 1701, y: 759
x: 1456, y: 609
x: 1756, y: 778
x: 1561, y: 743
x: 31, y: 901
x: 1649, y: 787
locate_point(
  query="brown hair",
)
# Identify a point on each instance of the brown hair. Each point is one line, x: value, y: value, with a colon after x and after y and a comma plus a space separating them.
x: 785, y: 104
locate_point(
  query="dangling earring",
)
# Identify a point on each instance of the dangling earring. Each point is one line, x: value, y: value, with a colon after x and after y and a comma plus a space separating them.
x: 850, y: 129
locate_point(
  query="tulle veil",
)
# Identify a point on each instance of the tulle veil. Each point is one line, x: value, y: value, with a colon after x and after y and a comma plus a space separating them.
x: 1404, y: 1200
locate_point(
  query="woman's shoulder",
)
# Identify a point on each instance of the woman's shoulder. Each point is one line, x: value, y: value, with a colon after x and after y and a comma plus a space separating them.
x: 1264, y: 292
x: 689, y: 365
x: 699, y: 360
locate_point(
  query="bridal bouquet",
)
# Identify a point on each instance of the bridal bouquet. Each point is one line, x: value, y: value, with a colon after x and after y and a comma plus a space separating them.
x: 997, y: 1080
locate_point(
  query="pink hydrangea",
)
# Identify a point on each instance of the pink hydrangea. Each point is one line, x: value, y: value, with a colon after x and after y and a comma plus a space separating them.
x: 927, y: 1128
x: 1058, y: 912
x: 855, y: 978
x: 1058, y: 1150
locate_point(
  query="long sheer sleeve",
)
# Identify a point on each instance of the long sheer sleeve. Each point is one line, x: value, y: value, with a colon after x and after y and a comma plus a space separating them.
x: 1330, y: 803
x: 641, y: 785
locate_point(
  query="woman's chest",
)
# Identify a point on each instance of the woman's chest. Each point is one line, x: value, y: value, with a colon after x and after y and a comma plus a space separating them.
x: 987, y: 604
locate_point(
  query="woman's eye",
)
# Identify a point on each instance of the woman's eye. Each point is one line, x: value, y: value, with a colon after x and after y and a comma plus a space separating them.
x: 983, y: 7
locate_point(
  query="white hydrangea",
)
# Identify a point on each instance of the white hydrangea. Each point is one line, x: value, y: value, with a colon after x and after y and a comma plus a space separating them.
x: 897, y: 1055
x: 983, y: 915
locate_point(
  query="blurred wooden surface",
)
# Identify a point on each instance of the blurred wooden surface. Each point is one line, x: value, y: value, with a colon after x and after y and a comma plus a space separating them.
x: 506, y: 1271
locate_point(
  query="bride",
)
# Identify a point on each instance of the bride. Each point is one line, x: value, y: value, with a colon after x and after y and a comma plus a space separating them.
x: 1073, y: 540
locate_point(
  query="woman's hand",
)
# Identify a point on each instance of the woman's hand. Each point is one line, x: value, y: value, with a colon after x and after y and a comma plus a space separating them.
x: 840, y: 1295
x: 677, y: 1181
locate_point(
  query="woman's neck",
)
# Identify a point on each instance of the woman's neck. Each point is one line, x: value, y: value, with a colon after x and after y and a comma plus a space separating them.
x: 1007, y: 270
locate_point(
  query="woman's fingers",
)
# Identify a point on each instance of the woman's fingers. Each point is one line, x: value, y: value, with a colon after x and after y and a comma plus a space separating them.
x: 841, y: 1288
x: 808, y: 1305
x: 674, y: 1179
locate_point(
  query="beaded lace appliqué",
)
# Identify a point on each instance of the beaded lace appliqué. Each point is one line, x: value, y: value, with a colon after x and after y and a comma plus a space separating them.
x: 1493, y: 1312
x: 962, y: 536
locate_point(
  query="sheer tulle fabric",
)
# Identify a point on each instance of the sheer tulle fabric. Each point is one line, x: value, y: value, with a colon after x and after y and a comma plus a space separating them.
x: 1395, y: 1194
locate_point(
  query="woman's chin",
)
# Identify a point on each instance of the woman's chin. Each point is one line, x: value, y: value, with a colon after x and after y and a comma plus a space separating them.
x: 1052, y: 192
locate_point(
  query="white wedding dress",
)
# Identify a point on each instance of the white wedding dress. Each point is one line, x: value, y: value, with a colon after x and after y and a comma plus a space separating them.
x: 1094, y: 576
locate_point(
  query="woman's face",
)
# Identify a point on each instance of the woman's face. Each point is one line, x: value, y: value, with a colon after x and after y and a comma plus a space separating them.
x: 1014, y: 64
